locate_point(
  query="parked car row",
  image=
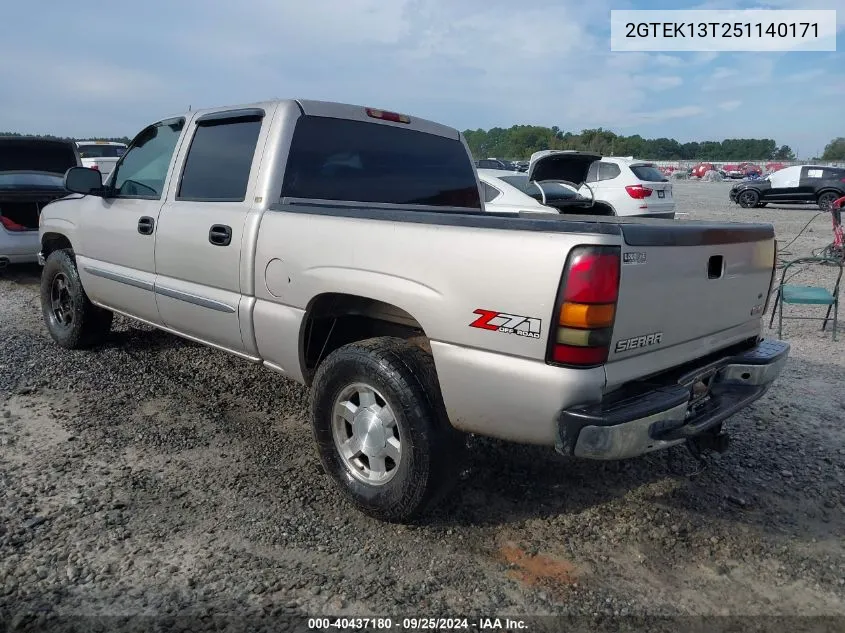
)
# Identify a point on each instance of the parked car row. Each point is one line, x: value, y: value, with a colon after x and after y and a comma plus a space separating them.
x: 563, y: 181
x: 349, y: 249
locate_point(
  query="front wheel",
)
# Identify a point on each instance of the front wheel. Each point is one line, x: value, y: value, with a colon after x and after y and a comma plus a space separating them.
x: 748, y: 199
x: 71, y: 319
x: 826, y: 200
x: 382, y: 430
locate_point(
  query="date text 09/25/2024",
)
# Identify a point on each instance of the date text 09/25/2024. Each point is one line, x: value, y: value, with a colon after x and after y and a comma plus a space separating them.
x: 416, y: 624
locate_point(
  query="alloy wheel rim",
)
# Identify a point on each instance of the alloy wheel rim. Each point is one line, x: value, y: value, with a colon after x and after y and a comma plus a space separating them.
x: 366, y: 434
x: 61, y: 301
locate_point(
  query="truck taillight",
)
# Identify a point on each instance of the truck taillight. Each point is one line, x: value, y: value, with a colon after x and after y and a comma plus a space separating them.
x: 388, y: 116
x: 638, y: 192
x: 586, y: 307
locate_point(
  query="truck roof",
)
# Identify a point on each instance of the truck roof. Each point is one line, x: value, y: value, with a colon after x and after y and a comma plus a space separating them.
x: 337, y: 110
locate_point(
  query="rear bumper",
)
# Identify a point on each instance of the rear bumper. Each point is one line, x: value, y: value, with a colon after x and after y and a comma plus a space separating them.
x: 650, y: 416
x: 18, y: 247
x: 667, y: 215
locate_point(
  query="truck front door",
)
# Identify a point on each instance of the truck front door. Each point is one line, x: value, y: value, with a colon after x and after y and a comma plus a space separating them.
x: 116, y: 257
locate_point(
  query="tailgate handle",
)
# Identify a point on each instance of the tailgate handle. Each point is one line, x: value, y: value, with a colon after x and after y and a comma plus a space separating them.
x: 715, y: 266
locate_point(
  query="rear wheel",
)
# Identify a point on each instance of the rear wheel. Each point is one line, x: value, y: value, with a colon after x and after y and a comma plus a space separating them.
x: 748, y: 199
x: 825, y: 201
x: 72, y: 320
x: 382, y: 430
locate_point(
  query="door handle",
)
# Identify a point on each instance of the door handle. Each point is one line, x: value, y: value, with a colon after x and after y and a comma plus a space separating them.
x: 220, y: 235
x: 146, y: 225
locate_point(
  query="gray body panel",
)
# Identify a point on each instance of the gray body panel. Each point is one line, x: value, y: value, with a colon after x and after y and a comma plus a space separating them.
x: 253, y: 296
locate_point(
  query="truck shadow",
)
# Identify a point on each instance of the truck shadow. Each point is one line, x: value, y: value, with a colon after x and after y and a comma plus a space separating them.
x: 23, y: 274
x: 781, y: 475
x: 139, y: 337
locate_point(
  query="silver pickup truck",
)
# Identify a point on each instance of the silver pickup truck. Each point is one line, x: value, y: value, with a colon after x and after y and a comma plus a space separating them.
x: 348, y: 248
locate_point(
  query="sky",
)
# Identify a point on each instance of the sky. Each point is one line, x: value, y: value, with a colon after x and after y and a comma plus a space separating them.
x: 96, y: 68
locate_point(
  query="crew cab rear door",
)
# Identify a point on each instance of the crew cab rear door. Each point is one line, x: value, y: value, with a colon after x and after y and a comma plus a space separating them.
x: 201, y: 233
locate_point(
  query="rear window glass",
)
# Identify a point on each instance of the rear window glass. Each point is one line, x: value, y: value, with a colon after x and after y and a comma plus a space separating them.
x: 648, y: 173
x: 357, y: 161
x: 101, y: 151
x: 34, y: 155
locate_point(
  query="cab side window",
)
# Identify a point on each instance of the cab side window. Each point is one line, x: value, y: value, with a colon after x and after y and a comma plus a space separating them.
x: 143, y: 169
x: 219, y: 160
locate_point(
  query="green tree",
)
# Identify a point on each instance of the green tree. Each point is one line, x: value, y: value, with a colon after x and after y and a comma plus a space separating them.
x: 784, y: 152
x: 835, y: 150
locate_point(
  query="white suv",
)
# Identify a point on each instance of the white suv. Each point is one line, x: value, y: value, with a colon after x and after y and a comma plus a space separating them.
x: 631, y: 187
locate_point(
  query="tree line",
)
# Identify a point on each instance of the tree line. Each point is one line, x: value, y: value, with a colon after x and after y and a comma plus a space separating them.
x: 116, y: 139
x: 520, y: 141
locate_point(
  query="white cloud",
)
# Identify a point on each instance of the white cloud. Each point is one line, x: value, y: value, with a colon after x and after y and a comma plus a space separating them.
x: 728, y: 106
x: 669, y: 61
x: 723, y: 73
x: 809, y: 75
x: 681, y: 112
x: 472, y: 63
x: 705, y: 57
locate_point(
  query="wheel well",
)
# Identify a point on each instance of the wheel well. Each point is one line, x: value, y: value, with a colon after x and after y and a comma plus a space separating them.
x: 53, y: 242
x: 334, y: 320
x: 824, y: 191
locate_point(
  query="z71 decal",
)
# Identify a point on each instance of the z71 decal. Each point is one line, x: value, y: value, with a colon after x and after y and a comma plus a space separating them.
x: 639, y: 341
x: 507, y: 323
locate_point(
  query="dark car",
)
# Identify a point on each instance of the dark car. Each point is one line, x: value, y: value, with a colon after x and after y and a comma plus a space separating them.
x: 32, y: 173
x: 800, y: 184
x: 494, y: 163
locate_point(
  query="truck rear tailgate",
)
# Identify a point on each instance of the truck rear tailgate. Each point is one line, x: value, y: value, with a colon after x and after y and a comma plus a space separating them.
x: 687, y: 289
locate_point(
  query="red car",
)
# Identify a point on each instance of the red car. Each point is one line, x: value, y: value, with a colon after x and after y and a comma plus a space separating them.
x: 748, y: 169
x: 701, y: 169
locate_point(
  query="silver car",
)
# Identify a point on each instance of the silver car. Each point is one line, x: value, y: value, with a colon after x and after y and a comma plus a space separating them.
x: 31, y: 175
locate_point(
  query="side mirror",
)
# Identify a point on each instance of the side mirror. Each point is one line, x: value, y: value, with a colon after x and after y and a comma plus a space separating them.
x: 84, y: 180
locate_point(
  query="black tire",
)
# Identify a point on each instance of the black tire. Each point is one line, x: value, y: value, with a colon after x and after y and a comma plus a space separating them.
x: 826, y: 199
x: 404, y: 378
x: 71, y: 319
x: 748, y: 198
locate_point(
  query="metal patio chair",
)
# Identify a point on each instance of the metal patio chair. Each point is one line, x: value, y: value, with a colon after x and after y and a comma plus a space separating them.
x: 808, y: 295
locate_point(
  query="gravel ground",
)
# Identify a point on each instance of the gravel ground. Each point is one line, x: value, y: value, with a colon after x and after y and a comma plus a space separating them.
x: 157, y: 477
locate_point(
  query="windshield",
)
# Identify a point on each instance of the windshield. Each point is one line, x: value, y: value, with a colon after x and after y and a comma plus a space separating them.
x: 31, y: 179
x: 101, y: 151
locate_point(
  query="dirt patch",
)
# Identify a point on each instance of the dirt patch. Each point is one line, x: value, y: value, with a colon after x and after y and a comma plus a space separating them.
x: 537, y: 570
